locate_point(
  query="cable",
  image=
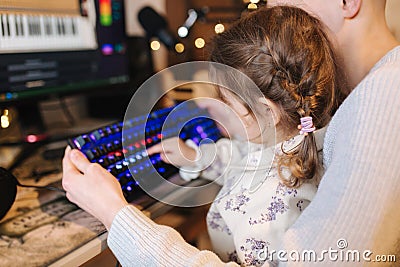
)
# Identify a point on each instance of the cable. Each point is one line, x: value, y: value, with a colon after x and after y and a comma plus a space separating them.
x: 52, y: 188
x: 8, y: 190
x: 7, y: 174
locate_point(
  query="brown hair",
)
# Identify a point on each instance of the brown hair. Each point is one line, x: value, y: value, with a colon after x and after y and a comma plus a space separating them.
x: 287, y: 54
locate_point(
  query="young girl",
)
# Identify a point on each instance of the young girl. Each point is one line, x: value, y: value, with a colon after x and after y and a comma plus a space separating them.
x: 265, y: 186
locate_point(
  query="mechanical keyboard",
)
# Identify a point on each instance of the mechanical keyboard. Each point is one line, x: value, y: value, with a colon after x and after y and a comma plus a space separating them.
x: 121, y: 149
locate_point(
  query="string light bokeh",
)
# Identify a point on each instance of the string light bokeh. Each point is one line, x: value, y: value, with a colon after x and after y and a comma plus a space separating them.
x: 192, y: 39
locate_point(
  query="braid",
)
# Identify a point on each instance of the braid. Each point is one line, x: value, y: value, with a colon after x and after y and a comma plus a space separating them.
x: 303, y: 162
x: 302, y: 87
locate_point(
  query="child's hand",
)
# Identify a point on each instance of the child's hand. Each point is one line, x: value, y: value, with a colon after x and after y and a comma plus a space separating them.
x: 174, y: 151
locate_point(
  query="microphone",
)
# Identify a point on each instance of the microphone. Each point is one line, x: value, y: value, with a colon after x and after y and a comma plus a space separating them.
x: 8, y: 190
x: 156, y: 26
x: 193, y: 16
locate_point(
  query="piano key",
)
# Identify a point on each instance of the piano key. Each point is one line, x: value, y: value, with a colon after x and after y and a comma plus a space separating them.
x: 73, y: 26
x: 2, y: 26
x: 8, y: 25
x: 21, y: 26
x: 48, y: 26
x: 30, y: 28
x: 66, y: 26
x: 63, y: 30
x: 14, y: 20
x: 54, y: 25
x: 13, y: 25
x: 18, y: 25
x: 58, y: 26
x: 24, y: 21
x: 37, y: 26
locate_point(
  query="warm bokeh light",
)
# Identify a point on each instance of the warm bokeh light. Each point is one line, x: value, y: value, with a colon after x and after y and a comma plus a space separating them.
x: 155, y: 45
x: 5, y: 120
x: 199, y: 43
x: 255, y: 1
x: 252, y: 6
x: 179, y: 47
x: 219, y: 28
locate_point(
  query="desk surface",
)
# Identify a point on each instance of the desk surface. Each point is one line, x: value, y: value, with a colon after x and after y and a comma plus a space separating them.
x: 42, y: 226
x: 44, y: 229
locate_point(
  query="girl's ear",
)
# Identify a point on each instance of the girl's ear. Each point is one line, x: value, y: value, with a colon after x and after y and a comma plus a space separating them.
x: 351, y: 8
x: 272, y: 107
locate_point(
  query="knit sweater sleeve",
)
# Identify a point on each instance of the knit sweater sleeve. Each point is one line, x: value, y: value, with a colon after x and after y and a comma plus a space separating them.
x: 138, y: 241
x: 356, y: 207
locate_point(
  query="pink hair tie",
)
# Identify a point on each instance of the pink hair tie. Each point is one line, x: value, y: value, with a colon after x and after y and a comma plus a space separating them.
x: 306, y: 125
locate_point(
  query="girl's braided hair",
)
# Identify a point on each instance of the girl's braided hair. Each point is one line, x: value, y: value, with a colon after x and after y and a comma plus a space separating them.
x: 288, y: 55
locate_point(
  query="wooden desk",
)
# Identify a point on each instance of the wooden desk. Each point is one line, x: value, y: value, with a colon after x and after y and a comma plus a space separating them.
x: 44, y: 229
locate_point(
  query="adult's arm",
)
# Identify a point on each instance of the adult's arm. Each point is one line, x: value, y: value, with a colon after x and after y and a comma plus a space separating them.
x: 357, y: 203
x: 133, y: 238
x: 138, y: 241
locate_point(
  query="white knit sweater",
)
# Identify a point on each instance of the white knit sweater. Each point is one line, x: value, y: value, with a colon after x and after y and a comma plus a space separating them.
x: 356, y: 207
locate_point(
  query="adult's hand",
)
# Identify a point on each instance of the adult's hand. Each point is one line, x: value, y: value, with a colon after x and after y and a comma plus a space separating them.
x: 91, y: 187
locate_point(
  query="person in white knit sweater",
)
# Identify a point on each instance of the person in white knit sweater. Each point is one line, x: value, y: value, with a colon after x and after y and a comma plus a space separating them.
x: 358, y: 197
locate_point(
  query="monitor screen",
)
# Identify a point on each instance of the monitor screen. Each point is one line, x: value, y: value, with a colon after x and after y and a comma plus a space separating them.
x: 61, y: 47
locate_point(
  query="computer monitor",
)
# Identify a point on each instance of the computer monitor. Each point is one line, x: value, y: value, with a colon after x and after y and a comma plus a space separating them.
x: 58, y: 48
x: 51, y: 49
x: 52, y: 53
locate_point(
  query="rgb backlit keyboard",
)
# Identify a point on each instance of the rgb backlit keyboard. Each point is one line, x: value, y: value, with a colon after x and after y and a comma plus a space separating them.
x: 130, y: 161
